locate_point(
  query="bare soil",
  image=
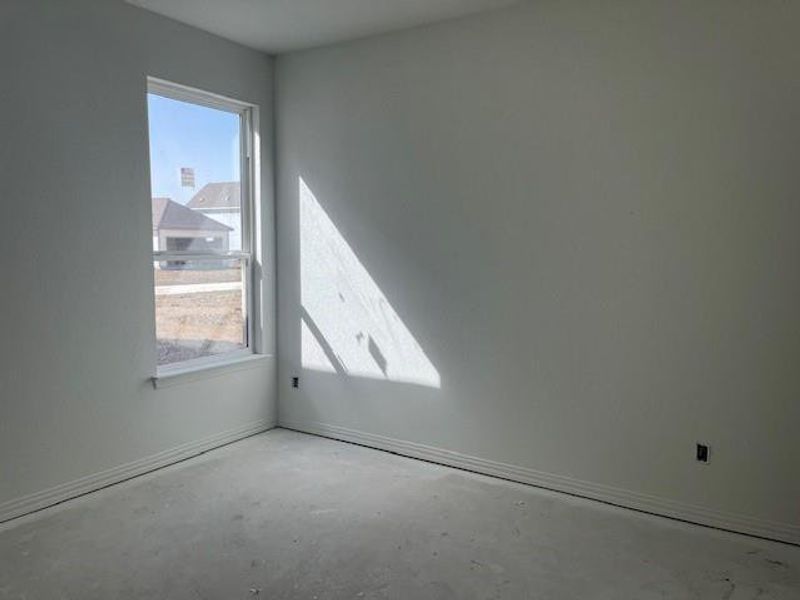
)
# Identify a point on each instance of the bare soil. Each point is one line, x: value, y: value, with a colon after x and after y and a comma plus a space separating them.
x: 198, y: 324
x: 183, y: 277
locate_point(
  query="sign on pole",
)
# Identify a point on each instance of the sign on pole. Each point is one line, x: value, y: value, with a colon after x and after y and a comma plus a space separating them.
x: 187, y: 177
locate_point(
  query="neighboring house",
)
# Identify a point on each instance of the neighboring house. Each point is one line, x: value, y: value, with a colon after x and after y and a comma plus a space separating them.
x: 177, y: 228
x: 222, y: 202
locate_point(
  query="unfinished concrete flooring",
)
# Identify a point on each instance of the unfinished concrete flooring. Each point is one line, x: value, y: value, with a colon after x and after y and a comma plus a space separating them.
x: 287, y: 515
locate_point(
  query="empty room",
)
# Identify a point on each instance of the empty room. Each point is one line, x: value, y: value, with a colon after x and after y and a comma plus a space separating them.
x: 400, y: 299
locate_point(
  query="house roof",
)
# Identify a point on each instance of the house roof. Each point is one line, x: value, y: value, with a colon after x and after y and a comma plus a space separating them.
x: 168, y: 214
x: 222, y: 194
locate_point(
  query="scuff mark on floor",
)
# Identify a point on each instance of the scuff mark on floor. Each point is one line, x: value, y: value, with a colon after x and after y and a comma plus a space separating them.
x: 776, y: 563
x: 731, y: 589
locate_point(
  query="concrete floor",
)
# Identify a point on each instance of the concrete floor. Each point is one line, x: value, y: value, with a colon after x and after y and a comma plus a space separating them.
x: 286, y: 515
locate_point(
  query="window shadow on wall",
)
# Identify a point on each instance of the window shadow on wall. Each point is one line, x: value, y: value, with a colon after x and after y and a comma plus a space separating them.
x: 348, y: 325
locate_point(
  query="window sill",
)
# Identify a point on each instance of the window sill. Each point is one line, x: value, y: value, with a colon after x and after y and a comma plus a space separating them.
x: 196, y: 373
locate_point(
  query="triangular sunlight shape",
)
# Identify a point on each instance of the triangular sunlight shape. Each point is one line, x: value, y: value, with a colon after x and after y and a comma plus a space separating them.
x: 348, y: 324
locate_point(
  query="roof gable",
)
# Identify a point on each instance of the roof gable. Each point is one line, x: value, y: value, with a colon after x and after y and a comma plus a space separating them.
x: 168, y: 214
x: 222, y: 194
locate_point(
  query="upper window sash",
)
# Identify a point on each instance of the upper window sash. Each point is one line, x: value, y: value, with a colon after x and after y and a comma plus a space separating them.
x: 247, y: 121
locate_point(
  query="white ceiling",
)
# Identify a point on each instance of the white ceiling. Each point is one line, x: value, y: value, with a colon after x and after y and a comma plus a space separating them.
x: 281, y: 25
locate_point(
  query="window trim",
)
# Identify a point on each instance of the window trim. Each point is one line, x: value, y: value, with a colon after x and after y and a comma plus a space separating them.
x: 249, y: 178
x: 240, y: 362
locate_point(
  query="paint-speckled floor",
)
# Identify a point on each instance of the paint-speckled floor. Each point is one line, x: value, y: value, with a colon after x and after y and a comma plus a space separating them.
x: 286, y: 515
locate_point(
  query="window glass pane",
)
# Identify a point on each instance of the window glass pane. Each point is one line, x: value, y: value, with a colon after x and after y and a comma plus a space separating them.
x: 200, y: 308
x: 195, y: 176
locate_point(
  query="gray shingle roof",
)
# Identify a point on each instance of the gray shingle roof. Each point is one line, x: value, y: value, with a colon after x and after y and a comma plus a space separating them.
x: 223, y: 194
x: 168, y: 214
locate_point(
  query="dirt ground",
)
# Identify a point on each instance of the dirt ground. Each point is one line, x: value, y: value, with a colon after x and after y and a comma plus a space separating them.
x: 198, y: 324
x: 179, y: 277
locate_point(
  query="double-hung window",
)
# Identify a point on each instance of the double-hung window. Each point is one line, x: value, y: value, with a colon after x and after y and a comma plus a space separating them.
x: 201, y: 176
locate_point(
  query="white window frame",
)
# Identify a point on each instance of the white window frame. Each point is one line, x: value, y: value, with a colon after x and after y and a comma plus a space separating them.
x: 248, y: 128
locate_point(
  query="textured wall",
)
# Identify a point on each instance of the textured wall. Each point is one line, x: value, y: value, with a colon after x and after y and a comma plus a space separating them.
x: 585, y: 215
x: 77, y: 294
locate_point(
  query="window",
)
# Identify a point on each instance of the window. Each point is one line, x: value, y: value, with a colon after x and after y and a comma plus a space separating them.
x: 201, y: 169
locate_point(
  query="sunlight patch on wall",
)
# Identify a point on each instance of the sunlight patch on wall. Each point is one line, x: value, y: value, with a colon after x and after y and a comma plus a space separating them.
x: 348, y: 324
x: 313, y: 355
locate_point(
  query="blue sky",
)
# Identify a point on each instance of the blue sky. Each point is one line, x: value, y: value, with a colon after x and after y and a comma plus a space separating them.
x: 187, y: 135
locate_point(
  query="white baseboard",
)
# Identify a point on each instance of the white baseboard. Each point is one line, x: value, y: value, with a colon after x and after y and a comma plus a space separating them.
x: 71, y: 489
x: 737, y: 523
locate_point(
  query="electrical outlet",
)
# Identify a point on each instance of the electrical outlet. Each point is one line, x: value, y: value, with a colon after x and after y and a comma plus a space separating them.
x: 295, y: 382
x: 702, y: 453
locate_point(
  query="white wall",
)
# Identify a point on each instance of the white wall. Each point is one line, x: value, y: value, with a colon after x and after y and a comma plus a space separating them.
x: 230, y: 217
x: 78, y: 340
x: 586, y: 214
